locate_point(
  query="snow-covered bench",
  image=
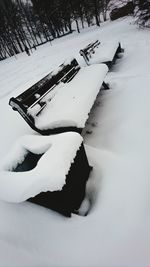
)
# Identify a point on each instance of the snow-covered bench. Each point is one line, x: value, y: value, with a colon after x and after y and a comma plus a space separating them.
x: 63, y: 99
x: 97, y: 52
x: 51, y: 171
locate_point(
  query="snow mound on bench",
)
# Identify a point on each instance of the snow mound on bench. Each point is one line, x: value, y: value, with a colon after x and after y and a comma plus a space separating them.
x: 49, y: 174
x: 105, y: 52
x: 72, y: 103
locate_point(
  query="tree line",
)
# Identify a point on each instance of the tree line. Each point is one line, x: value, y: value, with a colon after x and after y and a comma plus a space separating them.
x: 29, y: 23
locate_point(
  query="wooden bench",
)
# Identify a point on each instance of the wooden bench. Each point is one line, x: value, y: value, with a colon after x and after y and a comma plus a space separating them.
x: 62, y: 100
x: 101, y: 53
x: 50, y: 171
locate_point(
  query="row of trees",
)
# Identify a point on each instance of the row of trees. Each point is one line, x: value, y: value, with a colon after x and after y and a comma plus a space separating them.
x: 29, y: 23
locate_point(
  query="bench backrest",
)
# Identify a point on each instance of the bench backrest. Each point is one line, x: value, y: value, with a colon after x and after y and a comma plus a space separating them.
x: 89, y: 50
x: 37, y: 93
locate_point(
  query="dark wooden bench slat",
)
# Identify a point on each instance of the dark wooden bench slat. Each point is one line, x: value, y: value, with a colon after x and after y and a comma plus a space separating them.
x: 45, y: 85
x: 35, y: 94
x: 89, y: 49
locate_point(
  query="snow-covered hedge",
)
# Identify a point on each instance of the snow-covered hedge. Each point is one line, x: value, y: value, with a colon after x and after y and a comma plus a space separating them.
x: 142, y: 12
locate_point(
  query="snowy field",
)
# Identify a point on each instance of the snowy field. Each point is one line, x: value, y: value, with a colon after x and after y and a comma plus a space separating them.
x: 116, y: 233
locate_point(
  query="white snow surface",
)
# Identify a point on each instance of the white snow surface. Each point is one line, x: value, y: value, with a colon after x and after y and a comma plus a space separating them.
x: 49, y: 174
x: 79, y: 94
x: 116, y: 232
x: 104, y: 52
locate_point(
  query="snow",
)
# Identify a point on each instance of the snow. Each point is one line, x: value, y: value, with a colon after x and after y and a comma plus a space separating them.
x: 116, y: 232
x: 117, y: 4
x: 79, y: 94
x: 104, y: 52
x: 33, y: 111
x: 49, y: 174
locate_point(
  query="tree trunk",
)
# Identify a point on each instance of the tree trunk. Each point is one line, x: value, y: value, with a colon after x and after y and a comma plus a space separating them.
x: 96, y: 13
x: 77, y: 25
x: 82, y: 22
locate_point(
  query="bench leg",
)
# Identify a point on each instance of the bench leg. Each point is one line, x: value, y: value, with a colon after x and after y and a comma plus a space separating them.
x: 105, y: 86
x: 120, y: 49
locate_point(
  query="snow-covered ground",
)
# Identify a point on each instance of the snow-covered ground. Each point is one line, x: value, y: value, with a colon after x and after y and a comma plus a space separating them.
x: 116, y: 233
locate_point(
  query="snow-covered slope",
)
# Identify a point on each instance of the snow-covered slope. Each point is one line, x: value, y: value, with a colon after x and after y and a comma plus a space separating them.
x: 116, y: 233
